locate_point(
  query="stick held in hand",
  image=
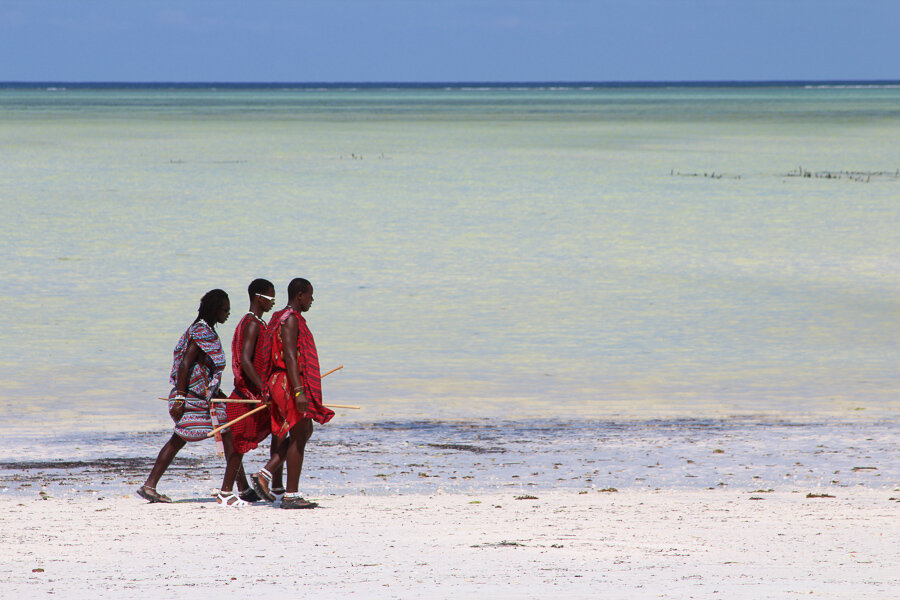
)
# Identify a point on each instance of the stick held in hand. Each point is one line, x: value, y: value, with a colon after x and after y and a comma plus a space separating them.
x: 259, y: 408
x: 240, y: 418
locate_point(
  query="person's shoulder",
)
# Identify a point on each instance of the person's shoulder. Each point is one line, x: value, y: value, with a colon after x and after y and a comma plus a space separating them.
x: 201, y: 329
x: 253, y: 323
x: 247, y: 319
x: 284, y: 313
x: 242, y: 326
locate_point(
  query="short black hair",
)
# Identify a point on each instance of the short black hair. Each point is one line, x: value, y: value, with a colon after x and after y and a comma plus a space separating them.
x: 259, y: 286
x: 211, y: 302
x: 298, y: 286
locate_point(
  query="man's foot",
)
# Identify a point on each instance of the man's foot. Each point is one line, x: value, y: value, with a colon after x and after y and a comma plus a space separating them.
x: 260, y: 483
x: 250, y: 495
x: 229, y: 500
x: 295, y: 501
x: 151, y: 495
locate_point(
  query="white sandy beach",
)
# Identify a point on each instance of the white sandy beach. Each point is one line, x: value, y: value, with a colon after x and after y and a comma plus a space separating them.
x: 590, y: 544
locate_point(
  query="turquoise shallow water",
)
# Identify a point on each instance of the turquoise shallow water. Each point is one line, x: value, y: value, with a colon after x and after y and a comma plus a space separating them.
x: 487, y: 253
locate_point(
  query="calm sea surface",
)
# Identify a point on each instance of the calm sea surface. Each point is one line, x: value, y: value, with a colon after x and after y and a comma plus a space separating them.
x: 477, y: 253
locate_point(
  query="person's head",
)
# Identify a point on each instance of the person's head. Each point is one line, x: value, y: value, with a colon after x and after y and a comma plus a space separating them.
x: 262, y: 292
x: 300, y: 294
x: 214, y: 307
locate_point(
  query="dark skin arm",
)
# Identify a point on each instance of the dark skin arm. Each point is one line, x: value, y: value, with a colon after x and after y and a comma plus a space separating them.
x: 289, y: 333
x: 251, y: 335
x: 191, y: 355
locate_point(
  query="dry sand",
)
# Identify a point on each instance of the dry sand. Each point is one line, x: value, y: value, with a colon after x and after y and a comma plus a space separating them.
x: 563, y: 544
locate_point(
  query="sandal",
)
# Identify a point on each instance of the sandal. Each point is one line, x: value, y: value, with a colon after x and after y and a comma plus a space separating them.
x: 278, y: 494
x: 295, y: 501
x: 229, y: 500
x: 260, y: 483
x: 151, y: 495
x: 250, y: 495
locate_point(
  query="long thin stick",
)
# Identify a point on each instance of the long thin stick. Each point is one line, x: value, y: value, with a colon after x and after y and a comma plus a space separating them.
x: 254, y: 401
x: 240, y: 418
x: 232, y: 400
x: 255, y: 410
x: 259, y: 408
x: 333, y: 370
x: 244, y: 401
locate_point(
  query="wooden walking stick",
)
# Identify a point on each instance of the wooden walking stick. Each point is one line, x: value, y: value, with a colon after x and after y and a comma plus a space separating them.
x: 256, y: 401
x: 333, y: 370
x: 240, y: 418
x: 231, y: 400
x: 259, y: 408
x: 241, y: 400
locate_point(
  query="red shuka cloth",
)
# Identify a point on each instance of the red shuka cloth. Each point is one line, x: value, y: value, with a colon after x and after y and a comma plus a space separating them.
x: 283, y: 408
x: 249, y: 432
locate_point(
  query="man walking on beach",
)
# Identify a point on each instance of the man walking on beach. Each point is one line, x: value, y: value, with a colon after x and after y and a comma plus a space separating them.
x: 296, y: 391
x: 249, y: 362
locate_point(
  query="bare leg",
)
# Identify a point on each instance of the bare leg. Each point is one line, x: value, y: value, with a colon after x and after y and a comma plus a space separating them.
x: 299, y: 435
x: 262, y: 481
x: 241, y: 478
x: 232, y: 464
x: 164, y: 459
x: 275, y: 451
x: 277, y: 454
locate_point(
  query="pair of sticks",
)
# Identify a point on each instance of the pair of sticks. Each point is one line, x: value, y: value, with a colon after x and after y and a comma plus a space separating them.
x: 259, y: 408
x: 263, y: 405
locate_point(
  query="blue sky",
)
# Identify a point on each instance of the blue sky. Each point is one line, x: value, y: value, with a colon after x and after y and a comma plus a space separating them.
x: 448, y: 40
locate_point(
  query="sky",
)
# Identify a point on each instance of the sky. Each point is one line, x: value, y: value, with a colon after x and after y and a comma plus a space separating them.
x: 448, y: 40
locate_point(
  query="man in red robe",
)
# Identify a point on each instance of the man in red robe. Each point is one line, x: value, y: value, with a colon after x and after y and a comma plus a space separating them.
x: 249, y: 363
x: 295, y: 385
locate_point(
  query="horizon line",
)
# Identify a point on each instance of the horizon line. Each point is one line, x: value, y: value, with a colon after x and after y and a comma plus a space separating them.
x: 432, y: 83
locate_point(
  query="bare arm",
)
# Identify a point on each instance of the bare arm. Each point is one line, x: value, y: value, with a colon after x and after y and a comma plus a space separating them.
x: 289, y: 333
x: 191, y: 355
x: 251, y: 335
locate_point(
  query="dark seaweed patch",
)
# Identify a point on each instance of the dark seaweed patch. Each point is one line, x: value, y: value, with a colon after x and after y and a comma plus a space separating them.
x: 469, y: 448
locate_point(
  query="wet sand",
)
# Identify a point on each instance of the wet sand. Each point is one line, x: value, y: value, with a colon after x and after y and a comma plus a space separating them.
x: 390, y: 458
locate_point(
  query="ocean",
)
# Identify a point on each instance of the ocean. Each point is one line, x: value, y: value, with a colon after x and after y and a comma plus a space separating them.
x: 480, y: 253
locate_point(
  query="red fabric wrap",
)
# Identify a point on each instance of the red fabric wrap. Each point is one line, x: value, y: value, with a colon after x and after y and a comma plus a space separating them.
x: 249, y: 432
x: 283, y: 408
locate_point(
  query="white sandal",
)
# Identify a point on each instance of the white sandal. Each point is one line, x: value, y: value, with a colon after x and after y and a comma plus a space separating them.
x: 229, y: 500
